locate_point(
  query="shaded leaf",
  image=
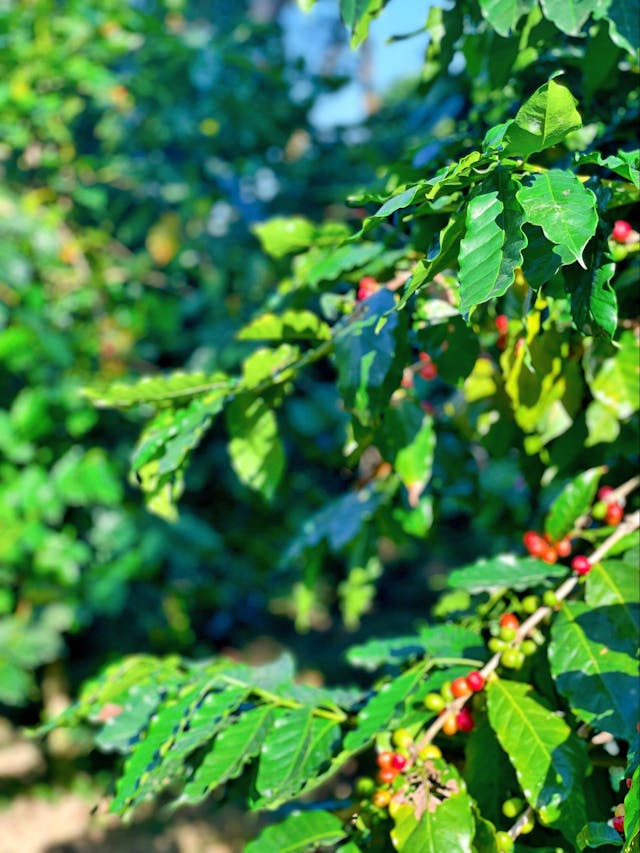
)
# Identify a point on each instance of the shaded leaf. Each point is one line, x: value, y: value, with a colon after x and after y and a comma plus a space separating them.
x: 594, y: 666
x: 598, y: 835
x: 504, y: 572
x: 291, y: 325
x: 358, y: 14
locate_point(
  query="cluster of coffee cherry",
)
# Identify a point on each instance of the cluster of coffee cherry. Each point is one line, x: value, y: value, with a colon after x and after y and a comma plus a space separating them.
x: 462, y: 721
x: 622, y: 236
x: 366, y: 286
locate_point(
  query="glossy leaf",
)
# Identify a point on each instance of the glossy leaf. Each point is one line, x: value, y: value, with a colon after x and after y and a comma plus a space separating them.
x: 615, y: 583
x: 598, y: 835
x: 357, y: 15
x: 231, y: 750
x: 491, y: 248
x: 616, y: 384
x: 504, y: 572
x: 299, y: 833
x: 574, y: 501
x: 623, y: 15
x: 593, y: 662
x: 280, y: 236
x: 159, y: 389
x: 564, y: 209
x: 571, y: 15
x: 624, y: 163
x: 549, y: 760
x: 542, y: 121
x: 382, y: 709
x: 594, y: 304
x: 289, y: 326
x: 441, y: 641
x: 503, y: 15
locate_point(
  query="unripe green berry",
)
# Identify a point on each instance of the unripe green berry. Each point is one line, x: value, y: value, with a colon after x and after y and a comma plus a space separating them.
x: 446, y: 692
x: 530, y: 603
x: 618, y: 251
x: 549, y: 598
x: 599, y: 510
x: 504, y: 842
x: 402, y: 738
x: 528, y: 827
x: 434, y: 702
x: 496, y: 645
x: 528, y: 648
x: 365, y: 786
x: 511, y: 808
x: 512, y: 658
x: 507, y: 634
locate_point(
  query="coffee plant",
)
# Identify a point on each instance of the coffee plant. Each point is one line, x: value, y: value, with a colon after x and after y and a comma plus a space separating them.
x: 467, y: 357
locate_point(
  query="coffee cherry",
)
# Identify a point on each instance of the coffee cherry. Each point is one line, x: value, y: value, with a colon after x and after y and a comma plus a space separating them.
x: 599, y: 510
x: 534, y: 543
x: 446, y: 692
x: 460, y: 687
x: 402, y: 738
x: 464, y: 720
x: 367, y: 286
x: 475, y: 680
x: 507, y: 634
x: 434, y: 702
x: 502, y: 324
x: 381, y: 798
x: 550, y: 555
x: 429, y: 752
x: 530, y: 603
x: 581, y: 565
x: 549, y: 598
x: 604, y: 492
x: 618, y: 252
x: 563, y: 547
x: 621, y: 230
x: 365, y: 786
x: 504, y: 842
x: 399, y: 761
x: 619, y: 810
x: 394, y: 807
x: 450, y: 725
x: 628, y: 783
x: 386, y: 775
x: 428, y: 369
x: 512, y: 658
x: 512, y: 808
x: 495, y: 644
x: 528, y: 648
x: 528, y: 826
x: 509, y: 620
x: 384, y: 759
x: 614, y: 514
x: 618, y: 824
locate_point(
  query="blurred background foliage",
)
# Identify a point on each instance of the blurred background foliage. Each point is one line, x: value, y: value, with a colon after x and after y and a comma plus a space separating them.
x: 141, y: 145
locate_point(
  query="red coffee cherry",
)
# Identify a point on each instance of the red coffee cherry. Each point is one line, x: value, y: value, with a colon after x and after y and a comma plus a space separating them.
x: 398, y: 762
x: 464, y: 720
x: 509, y: 620
x: 563, y: 547
x: 534, y: 543
x: 475, y: 680
x: 385, y: 759
x: 581, y: 565
x: 604, y: 492
x: 621, y: 230
x: 460, y: 687
x: 502, y: 324
x: 450, y: 724
x: 381, y: 798
x: 618, y: 824
x: 386, y: 775
x: 428, y: 369
x: 614, y: 514
x: 366, y: 286
x: 550, y: 555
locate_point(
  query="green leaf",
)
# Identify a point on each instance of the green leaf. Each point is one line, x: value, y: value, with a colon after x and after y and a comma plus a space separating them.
x: 542, y: 121
x: 358, y: 14
x: 616, y: 385
x: 598, y: 835
x: 447, y: 823
x: 503, y: 15
x: 370, y: 355
x: 338, y: 522
x: 269, y: 365
x: 594, y: 666
x: 549, y: 760
x: 441, y: 641
x: 487, y: 770
x: 572, y: 502
x: 122, y: 730
x: 396, y: 202
x: 295, y: 750
x: 300, y: 832
x: 491, y: 248
x: 329, y: 264
x: 410, y: 440
x: 505, y: 571
x: 624, y: 15
x: 625, y: 163
x: 602, y: 424
x: 232, y: 749
x: 255, y: 448
x: 593, y: 299
x: 291, y: 325
x: 563, y: 208
x: 159, y: 389
x: 541, y: 259
x: 382, y: 709
x: 615, y: 582
x: 632, y: 813
x: 570, y: 15
x: 281, y: 235
x: 446, y: 256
